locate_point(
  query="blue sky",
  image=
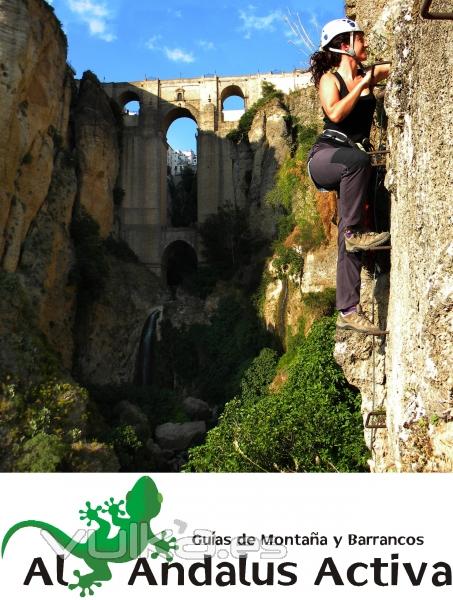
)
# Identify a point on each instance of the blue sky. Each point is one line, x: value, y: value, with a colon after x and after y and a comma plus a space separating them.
x: 129, y: 40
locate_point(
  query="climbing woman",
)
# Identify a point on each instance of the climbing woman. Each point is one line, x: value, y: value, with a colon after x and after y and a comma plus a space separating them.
x: 338, y: 160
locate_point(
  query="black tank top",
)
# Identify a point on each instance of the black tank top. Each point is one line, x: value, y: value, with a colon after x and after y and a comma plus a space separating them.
x: 357, y: 124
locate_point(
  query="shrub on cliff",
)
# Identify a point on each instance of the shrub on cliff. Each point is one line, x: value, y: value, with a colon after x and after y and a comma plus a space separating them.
x: 41, y: 454
x: 312, y: 423
x: 293, y: 192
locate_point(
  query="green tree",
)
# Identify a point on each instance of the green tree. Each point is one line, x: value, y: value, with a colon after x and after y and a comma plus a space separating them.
x: 312, y: 423
x: 227, y: 240
x: 41, y: 454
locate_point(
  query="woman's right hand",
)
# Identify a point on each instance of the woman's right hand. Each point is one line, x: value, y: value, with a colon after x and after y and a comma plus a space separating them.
x: 367, y: 80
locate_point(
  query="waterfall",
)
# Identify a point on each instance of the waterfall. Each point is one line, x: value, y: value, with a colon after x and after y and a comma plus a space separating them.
x: 144, y: 366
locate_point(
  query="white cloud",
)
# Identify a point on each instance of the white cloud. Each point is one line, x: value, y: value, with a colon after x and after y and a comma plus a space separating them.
x: 206, y: 45
x: 151, y: 44
x: 174, y: 13
x: 252, y: 22
x: 96, y: 15
x: 174, y: 54
x: 178, y: 55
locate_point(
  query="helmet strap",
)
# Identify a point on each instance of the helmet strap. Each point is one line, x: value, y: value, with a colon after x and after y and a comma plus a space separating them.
x: 351, y: 51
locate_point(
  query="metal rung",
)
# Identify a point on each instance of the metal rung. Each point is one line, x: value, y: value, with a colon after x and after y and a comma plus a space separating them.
x: 424, y: 12
x: 378, y: 157
x: 376, y: 419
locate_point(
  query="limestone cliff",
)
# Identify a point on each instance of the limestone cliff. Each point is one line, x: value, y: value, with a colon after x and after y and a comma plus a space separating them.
x: 59, y: 159
x: 111, y: 326
x: 35, y: 89
x: 255, y: 164
x: 274, y: 135
x: 59, y: 154
x: 413, y: 365
x: 97, y: 142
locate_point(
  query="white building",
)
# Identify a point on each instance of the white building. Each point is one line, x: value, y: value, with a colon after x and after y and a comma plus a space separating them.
x: 177, y: 160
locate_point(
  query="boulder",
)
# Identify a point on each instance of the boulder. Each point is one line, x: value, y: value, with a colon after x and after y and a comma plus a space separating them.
x: 179, y: 436
x: 197, y: 409
x: 93, y: 457
x: 131, y: 414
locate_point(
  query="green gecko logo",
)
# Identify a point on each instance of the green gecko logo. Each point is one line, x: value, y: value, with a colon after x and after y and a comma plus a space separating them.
x: 143, y: 503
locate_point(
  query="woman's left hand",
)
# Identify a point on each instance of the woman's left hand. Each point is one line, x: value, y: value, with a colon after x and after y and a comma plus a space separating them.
x: 378, y: 72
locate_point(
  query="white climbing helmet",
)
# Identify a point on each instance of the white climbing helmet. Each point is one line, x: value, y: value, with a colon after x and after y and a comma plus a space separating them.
x: 336, y: 27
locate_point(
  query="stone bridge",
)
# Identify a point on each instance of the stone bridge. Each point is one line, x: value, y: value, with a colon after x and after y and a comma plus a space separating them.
x: 143, y: 176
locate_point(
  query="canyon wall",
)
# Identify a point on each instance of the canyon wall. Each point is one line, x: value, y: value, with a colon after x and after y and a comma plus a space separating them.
x: 413, y: 366
x: 71, y: 293
x: 59, y: 165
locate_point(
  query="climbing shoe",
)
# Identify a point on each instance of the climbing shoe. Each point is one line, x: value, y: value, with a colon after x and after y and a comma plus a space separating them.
x: 357, y: 321
x: 355, y: 241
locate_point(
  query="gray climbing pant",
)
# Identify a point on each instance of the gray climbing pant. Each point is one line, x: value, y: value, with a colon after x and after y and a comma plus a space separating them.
x: 346, y: 170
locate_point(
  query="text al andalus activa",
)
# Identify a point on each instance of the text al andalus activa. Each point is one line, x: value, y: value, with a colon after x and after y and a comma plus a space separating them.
x: 382, y: 572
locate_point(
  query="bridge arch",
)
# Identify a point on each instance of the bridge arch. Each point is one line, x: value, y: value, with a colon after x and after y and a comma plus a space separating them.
x: 179, y: 260
x: 129, y: 96
x: 176, y: 112
x: 231, y: 90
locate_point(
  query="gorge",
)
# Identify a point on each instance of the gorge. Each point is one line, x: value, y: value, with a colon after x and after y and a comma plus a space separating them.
x: 85, y: 247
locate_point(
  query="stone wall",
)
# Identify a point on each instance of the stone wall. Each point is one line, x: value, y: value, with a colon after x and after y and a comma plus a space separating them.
x: 414, y: 364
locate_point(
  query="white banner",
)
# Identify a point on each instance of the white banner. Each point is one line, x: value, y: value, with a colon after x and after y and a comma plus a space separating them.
x: 237, y: 535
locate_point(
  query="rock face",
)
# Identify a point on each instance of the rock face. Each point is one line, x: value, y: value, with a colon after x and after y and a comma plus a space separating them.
x: 35, y: 88
x: 111, y: 326
x: 59, y: 155
x: 96, y: 138
x: 420, y: 178
x: 267, y: 137
x: 256, y: 162
x: 413, y: 366
x: 47, y: 258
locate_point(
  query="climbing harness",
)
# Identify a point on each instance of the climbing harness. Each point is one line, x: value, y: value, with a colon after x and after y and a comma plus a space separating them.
x: 336, y: 136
